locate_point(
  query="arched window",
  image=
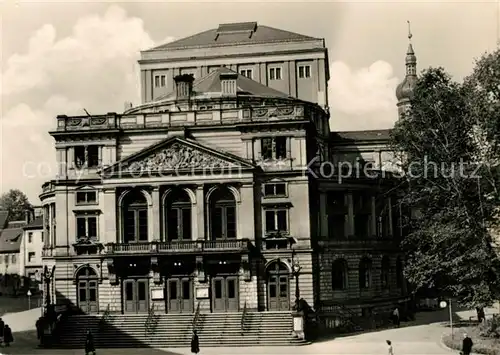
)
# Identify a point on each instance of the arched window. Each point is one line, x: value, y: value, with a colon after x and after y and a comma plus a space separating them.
x: 365, y: 273
x: 177, y: 215
x: 339, y: 274
x: 135, y: 217
x: 399, y: 273
x: 223, y: 214
x: 384, y: 272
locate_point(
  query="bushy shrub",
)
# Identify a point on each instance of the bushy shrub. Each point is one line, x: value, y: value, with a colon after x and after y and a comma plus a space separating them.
x: 490, y: 328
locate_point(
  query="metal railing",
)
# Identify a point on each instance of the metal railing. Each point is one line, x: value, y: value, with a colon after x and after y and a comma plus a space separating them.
x: 177, y: 246
x: 243, y: 317
x: 104, y: 318
x: 196, y: 318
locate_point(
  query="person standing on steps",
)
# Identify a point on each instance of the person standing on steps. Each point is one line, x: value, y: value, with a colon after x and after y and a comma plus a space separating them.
x: 390, y: 350
x: 467, y: 345
x: 89, y: 343
x: 395, y: 317
x: 7, y: 335
x: 195, y: 343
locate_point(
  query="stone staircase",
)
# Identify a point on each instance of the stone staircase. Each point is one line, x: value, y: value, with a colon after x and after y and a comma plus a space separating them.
x: 175, y: 330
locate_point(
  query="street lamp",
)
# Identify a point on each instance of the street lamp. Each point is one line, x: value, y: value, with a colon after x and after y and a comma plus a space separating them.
x: 296, y: 272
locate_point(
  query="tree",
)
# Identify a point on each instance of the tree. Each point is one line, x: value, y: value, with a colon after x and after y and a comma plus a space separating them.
x: 16, y: 202
x: 449, y: 141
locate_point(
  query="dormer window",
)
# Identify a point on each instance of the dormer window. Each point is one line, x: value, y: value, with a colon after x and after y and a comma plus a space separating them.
x: 247, y: 73
x: 275, y: 73
x: 87, y: 156
x: 160, y: 81
x: 304, y: 71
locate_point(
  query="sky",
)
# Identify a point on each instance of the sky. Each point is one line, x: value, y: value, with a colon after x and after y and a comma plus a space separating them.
x: 63, y: 57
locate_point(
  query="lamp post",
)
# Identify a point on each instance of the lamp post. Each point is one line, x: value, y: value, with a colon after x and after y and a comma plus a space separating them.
x: 296, y: 272
x: 47, y: 276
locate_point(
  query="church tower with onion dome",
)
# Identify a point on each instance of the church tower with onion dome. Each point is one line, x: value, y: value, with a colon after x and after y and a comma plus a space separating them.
x: 404, y: 91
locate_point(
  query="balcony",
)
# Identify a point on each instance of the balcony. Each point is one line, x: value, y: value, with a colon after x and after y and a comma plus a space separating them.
x: 180, y: 247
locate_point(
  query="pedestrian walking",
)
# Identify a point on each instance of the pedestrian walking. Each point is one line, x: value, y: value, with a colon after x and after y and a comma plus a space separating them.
x: 195, y: 343
x: 390, y: 350
x: 395, y: 317
x: 467, y: 345
x: 89, y: 343
x: 7, y: 335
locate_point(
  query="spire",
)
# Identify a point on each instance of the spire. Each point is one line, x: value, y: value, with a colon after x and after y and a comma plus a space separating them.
x: 405, y: 89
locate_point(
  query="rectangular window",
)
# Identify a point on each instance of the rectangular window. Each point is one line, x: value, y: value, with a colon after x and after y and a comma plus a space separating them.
x: 223, y: 222
x: 31, y: 257
x: 86, y: 226
x: 86, y: 197
x: 30, y: 237
x: 87, y: 156
x: 6, y: 259
x: 276, y: 220
x: 179, y: 223
x: 337, y: 213
x: 275, y: 73
x: 13, y: 258
x: 41, y: 235
x: 247, y: 72
x: 275, y: 189
x: 304, y: 71
x: 362, y: 214
x: 274, y: 148
x: 160, y: 81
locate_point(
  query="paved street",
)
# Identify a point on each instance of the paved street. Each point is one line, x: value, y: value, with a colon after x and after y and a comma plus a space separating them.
x: 421, y: 337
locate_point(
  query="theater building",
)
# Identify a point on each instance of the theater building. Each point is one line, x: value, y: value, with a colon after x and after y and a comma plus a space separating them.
x: 215, y: 192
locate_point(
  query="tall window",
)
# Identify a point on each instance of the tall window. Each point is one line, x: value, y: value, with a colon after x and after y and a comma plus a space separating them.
x: 30, y: 237
x: 31, y: 257
x: 178, y: 216
x: 304, y: 71
x: 275, y: 73
x: 384, y: 272
x: 223, y: 215
x: 276, y: 220
x: 365, y: 273
x: 135, y: 218
x: 339, y: 274
x: 247, y: 72
x: 86, y: 225
x: 160, y: 81
x: 273, y: 148
x: 87, y: 156
x: 337, y: 214
x: 362, y: 214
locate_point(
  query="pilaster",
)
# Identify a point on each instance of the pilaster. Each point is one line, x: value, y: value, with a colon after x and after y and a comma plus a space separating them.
x: 156, y: 232
x: 350, y: 215
x: 323, y: 216
x: 389, y: 206
x: 199, y: 231
x: 373, y: 216
x: 110, y: 213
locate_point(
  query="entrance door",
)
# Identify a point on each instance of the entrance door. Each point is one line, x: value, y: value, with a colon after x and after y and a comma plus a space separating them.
x: 87, y: 296
x: 135, y: 296
x: 180, y: 295
x: 225, y: 296
x: 278, y: 293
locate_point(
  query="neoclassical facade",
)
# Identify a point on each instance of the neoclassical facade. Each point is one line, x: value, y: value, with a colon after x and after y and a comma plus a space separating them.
x: 224, y: 190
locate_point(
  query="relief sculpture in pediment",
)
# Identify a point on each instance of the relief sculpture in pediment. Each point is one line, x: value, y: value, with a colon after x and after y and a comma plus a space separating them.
x: 178, y: 156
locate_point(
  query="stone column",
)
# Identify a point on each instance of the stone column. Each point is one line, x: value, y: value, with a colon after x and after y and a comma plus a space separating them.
x: 199, y: 215
x: 373, y: 219
x: 389, y: 206
x: 350, y: 215
x: 323, y: 215
x: 156, y: 221
x: 110, y: 213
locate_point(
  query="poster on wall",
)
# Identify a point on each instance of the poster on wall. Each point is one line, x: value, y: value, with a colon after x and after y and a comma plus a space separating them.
x: 157, y: 294
x: 202, y: 292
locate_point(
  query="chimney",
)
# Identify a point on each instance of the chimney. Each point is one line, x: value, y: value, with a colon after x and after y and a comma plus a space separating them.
x: 228, y: 83
x: 183, y: 86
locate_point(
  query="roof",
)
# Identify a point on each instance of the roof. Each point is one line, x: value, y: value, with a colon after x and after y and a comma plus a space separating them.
x: 234, y: 34
x: 211, y: 84
x: 369, y: 135
x: 37, y: 223
x: 10, y: 240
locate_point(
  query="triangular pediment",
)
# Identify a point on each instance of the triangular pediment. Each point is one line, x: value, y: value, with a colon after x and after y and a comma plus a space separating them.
x: 177, y: 155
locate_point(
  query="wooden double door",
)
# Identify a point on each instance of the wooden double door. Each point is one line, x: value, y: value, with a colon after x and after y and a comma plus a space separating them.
x: 87, y: 296
x: 135, y: 295
x: 179, y: 295
x: 278, y: 292
x: 225, y: 294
